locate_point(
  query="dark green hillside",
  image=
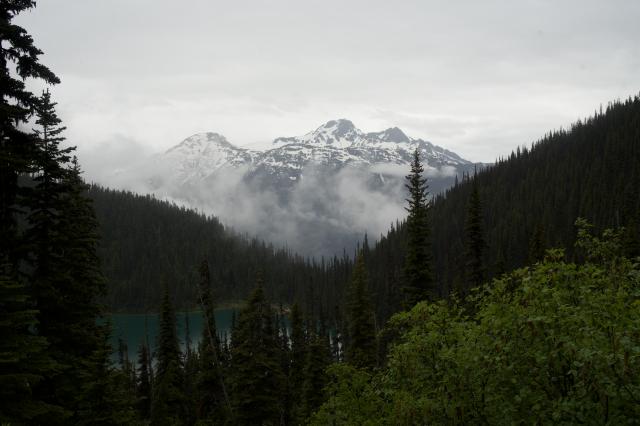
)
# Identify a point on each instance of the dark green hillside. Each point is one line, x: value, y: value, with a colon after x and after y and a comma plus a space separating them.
x: 591, y: 170
x: 146, y: 241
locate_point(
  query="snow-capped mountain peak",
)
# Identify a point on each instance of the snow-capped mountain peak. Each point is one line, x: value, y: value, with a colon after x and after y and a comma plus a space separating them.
x: 201, y: 142
x: 392, y: 134
x: 202, y: 154
x: 338, y: 128
x: 336, y: 162
x: 332, y: 146
x: 336, y: 133
x: 343, y: 134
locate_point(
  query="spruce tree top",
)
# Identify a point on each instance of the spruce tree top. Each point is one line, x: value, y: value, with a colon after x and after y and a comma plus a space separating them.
x: 417, y: 275
x: 417, y: 185
x: 16, y: 46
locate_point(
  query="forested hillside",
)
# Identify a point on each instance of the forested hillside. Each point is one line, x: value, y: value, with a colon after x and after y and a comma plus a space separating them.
x: 512, y: 298
x: 531, y: 198
x: 529, y: 201
x: 147, y: 243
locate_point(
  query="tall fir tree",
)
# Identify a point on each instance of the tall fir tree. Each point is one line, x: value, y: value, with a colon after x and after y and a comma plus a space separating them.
x: 87, y: 342
x: 284, y: 352
x: 257, y: 379
x: 168, y: 404
x: 418, y: 278
x: 143, y: 388
x: 213, y: 400
x: 537, y: 245
x: 18, y: 62
x: 298, y: 360
x: 475, y: 243
x: 105, y: 396
x: 66, y: 278
x: 24, y: 362
x: 191, y: 368
x: 361, y: 348
x: 23, y: 358
x: 318, y: 358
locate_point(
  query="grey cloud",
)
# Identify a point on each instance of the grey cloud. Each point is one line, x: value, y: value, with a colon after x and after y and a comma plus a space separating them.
x: 323, y: 213
x: 478, y: 78
x: 107, y: 160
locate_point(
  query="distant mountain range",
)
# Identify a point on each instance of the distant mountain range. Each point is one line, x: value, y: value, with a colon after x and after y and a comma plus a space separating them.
x: 300, y: 180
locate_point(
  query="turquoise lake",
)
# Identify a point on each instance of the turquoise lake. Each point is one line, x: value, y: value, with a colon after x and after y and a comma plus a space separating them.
x: 133, y: 329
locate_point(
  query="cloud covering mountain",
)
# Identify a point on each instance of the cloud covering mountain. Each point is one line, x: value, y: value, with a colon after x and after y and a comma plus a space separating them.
x: 317, y: 193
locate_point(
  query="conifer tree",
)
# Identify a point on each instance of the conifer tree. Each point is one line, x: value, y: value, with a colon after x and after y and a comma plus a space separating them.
x: 23, y: 358
x: 257, y: 378
x: 418, y: 280
x: 67, y: 280
x: 213, y: 401
x: 284, y: 352
x: 362, y: 347
x: 24, y: 363
x: 318, y: 358
x: 168, y: 403
x: 168, y: 347
x: 105, y: 397
x: 143, y: 389
x: 298, y: 360
x: 17, y: 104
x: 191, y: 372
x: 80, y: 328
x: 537, y: 246
x: 475, y: 244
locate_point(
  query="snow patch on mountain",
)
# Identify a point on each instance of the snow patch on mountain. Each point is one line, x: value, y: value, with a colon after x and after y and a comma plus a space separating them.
x: 335, y: 144
x: 317, y: 193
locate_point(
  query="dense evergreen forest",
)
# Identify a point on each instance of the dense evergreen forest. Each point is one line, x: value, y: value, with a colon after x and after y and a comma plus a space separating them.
x: 147, y: 242
x: 530, y: 198
x: 459, y: 315
x: 590, y: 171
x: 55, y: 366
x: 422, y: 366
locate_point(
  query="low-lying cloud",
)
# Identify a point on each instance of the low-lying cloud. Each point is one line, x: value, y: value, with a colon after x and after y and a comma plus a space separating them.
x: 321, y: 215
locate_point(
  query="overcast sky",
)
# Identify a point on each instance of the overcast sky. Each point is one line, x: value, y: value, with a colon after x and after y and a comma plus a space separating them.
x: 477, y: 77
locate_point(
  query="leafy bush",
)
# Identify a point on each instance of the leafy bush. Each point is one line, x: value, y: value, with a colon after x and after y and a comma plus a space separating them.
x: 555, y: 343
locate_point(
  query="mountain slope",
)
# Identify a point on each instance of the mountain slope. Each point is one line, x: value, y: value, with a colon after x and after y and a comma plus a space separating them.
x: 334, y: 145
x: 146, y: 243
x: 318, y: 186
x: 200, y: 155
x: 590, y: 171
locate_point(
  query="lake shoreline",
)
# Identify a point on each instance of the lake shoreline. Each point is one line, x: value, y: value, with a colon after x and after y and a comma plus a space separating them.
x: 235, y: 305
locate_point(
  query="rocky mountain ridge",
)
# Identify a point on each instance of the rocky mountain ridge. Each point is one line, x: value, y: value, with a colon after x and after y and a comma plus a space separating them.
x: 318, y: 193
x: 335, y: 144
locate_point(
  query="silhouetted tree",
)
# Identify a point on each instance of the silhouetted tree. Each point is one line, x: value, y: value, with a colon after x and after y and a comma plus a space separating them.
x: 168, y: 404
x: 361, y: 347
x: 418, y: 279
x: 144, y: 382
x: 213, y: 401
x: 256, y: 376
x: 475, y: 244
